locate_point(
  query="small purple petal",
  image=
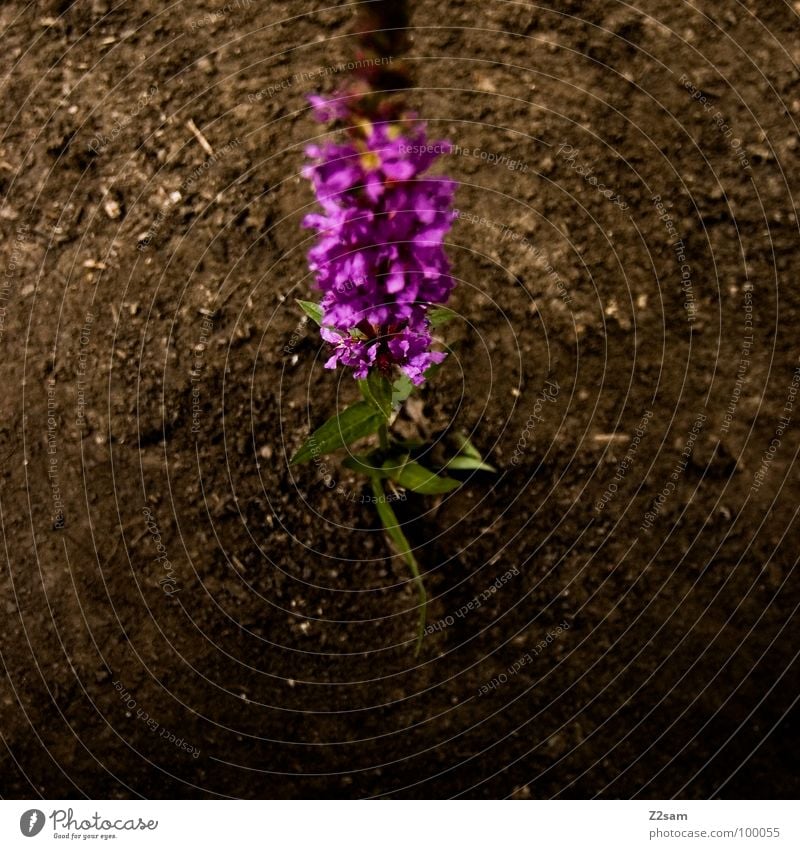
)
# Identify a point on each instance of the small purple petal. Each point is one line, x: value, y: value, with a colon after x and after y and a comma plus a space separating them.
x: 379, y: 258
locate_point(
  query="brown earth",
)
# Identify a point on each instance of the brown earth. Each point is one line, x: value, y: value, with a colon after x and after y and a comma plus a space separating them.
x: 271, y: 653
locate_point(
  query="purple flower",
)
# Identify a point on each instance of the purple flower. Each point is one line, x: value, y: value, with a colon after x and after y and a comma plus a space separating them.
x: 379, y: 258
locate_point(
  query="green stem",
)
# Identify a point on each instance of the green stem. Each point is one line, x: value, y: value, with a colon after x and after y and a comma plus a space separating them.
x: 383, y: 436
x: 392, y: 526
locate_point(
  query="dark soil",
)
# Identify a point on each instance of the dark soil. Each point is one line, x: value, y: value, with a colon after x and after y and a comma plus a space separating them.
x: 154, y: 360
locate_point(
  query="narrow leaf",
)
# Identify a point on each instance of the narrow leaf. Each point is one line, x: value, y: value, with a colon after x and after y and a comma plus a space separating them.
x: 433, y: 370
x: 364, y: 465
x: 389, y: 520
x: 416, y: 477
x: 465, y: 447
x: 440, y: 315
x: 356, y: 421
x: 409, y: 444
x: 312, y: 310
x: 464, y: 463
x: 401, y: 389
x: 378, y: 391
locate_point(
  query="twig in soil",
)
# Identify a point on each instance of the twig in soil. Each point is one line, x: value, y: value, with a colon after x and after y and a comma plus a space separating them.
x: 200, y: 137
x: 611, y: 437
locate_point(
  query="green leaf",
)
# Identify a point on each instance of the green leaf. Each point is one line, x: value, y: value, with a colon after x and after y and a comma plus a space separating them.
x: 440, y: 315
x: 356, y: 421
x: 416, y: 477
x: 464, y: 463
x: 390, y: 523
x: 431, y: 371
x: 364, y: 464
x: 312, y: 310
x: 392, y: 526
x: 465, y: 447
x: 378, y: 391
x: 409, y: 444
x: 401, y: 389
x: 468, y: 457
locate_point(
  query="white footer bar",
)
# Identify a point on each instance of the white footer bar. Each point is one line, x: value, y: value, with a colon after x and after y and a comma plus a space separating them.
x: 334, y: 824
